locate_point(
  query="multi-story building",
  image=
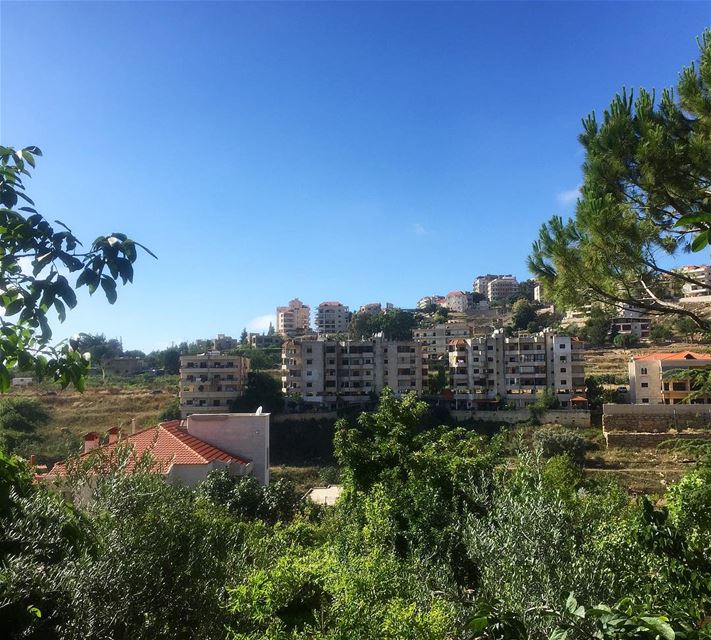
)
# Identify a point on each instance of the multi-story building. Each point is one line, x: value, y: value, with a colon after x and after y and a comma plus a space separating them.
x: 481, y: 283
x: 496, y: 369
x: 125, y: 365
x: 650, y: 382
x: 458, y: 301
x: 501, y: 288
x: 702, y: 275
x: 210, y: 381
x: 332, y: 317
x: 372, y: 309
x: 434, y: 341
x: 329, y: 373
x: 264, y: 340
x: 426, y: 301
x: 294, y: 319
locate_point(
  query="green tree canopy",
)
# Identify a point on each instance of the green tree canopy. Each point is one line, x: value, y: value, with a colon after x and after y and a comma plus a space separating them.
x: 645, y: 197
x: 37, y: 261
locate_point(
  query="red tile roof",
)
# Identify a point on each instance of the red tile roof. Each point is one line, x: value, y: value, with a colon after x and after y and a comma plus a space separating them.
x: 681, y: 355
x: 169, y: 444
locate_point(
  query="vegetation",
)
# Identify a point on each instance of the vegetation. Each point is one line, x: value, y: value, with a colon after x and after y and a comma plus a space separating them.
x: 394, y: 324
x: 433, y: 538
x: 644, y: 197
x: 28, y: 295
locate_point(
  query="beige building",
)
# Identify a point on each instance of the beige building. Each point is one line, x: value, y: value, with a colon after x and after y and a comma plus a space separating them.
x: 458, y: 301
x: 501, y: 288
x: 328, y: 373
x: 210, y: 381
x: 332, y: 317
x: 434, y: 341
x: 702, y: 275
x: 487, y: 371
x: 649, y: 381
x: 125, y: 366
x: 294, y: 319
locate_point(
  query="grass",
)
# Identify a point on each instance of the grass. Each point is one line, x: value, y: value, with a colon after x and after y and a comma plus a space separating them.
x: 72, y: 414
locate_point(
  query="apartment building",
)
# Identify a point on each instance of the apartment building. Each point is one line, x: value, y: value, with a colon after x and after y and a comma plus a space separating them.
x: 294, y: 319
x: 329, y: 373
x: 426, y: 301
x: 702, y: 275
x: 458, y: 301
x: 486, y: 371
x: 649, y: 381
x: 210, y: 381
x: 501, y: 288
x: 332, y: 317
x: 434, y: 341
x: 496, y: 286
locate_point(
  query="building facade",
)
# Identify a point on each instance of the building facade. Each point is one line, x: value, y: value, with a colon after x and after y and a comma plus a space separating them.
x: 501, y: 288
x: 330, y: 373
x: 487, y: 372
x: 650, y: 382
x: 458, y: 301
x: 702, y: 275
x: 294, y: 319
x: 210, y: 381
x: 332, y: 317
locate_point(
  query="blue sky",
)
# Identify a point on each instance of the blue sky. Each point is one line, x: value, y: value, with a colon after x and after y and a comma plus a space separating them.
x: 352, y: 151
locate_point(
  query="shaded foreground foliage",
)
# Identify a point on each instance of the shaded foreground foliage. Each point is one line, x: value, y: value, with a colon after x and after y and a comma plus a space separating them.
x: 438, y: 535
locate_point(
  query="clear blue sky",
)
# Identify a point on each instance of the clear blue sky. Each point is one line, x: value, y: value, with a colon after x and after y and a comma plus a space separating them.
x: 357, y: 152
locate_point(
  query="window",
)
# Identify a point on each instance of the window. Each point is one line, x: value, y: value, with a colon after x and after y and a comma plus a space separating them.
x: 309, y: 384
x: 564, y: 382
x: 645, y: 385
x: 563, y: 370
x: 489, y: 347
x: 215, y: 403
x: 562, y: 346
x: 309, y: 349
x: 309, y: 361
x: 645, y: 400
x: 643, y: 371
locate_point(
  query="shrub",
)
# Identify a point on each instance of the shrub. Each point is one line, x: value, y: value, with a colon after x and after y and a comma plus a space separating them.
x: 557, y: 441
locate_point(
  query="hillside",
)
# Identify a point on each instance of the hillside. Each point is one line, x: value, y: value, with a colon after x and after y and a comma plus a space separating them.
x: 97, y: 409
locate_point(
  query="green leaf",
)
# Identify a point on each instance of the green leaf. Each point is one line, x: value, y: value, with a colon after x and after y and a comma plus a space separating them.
x: 659, y: 626
x: 701, y: 241
x: 478, y: 624
x: 109, y: 287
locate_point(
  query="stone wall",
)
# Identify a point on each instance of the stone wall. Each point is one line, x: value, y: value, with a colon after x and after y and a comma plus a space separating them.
x: 573, y: 418
x: 654, y: 418
x: 650, y: 440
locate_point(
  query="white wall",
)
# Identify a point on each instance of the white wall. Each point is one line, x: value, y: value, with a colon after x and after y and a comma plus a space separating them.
x: 242, y: 434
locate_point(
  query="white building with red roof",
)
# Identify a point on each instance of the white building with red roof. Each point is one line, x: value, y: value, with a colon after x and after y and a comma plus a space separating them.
x: 185, y: 453
x: 650, y: 382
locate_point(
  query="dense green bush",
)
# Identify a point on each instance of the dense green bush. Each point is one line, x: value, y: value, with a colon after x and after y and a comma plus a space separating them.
x: 20, y: 418
x: 554, y: 441
x: 439, y: 534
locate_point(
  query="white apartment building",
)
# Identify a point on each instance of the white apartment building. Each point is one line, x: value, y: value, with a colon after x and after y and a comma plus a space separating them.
x: 426, y: 301
x: 489, y: 370
x: 458, y: 301
x: 294, y: 319
x: 649, y: 383
x: 700, y: 273
x: 328, y: 373
x: 210, y: 381
x: 501, y: 288
x: 332, y: 317
x: 434, y: 341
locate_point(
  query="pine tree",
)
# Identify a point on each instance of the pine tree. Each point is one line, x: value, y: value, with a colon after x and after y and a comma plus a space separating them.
x: 645, y: 197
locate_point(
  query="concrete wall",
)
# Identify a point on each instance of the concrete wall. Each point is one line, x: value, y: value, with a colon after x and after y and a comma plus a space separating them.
x: 654, y: 418
x: 188, y: 475
x: 241, y: 434
x: 304, y: 415
x: 576, y: 418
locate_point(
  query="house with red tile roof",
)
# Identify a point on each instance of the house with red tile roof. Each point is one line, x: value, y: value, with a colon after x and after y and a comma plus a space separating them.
x: 650, y: 382
x: 185, y: 453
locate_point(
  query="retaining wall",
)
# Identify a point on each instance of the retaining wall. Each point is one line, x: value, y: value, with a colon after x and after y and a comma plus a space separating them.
x: 654, y: 418
x: 572, y: 417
